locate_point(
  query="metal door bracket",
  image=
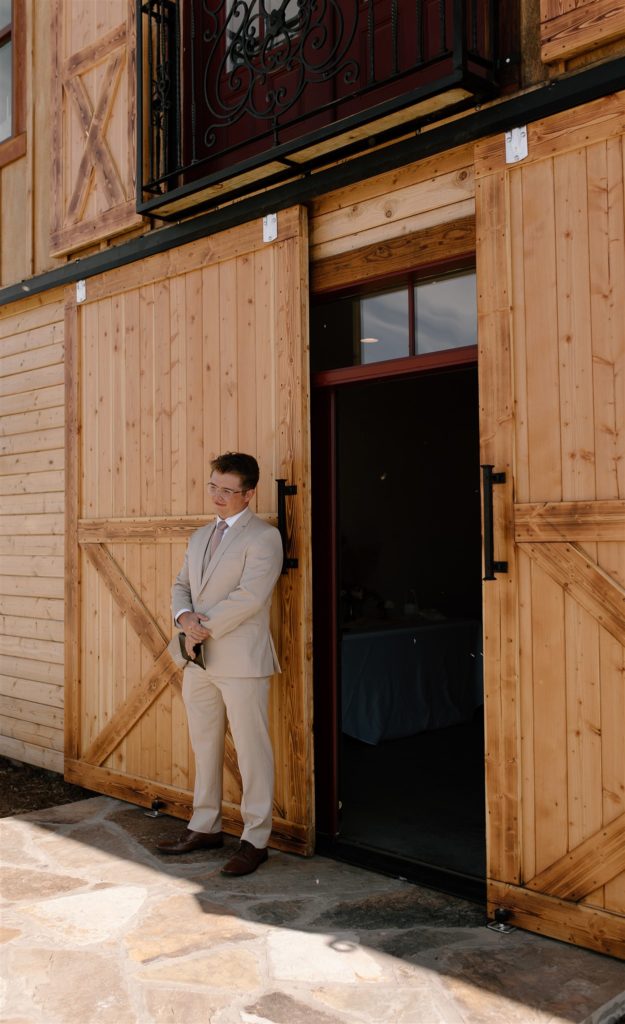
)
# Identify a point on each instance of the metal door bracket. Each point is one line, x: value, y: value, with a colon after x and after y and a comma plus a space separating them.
x: 516, y: 145
x: 155, y: 811
x: 270, y: 227
x: 502, y: 915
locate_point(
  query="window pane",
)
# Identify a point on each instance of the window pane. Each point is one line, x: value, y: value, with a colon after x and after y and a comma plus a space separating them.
x: 6, y: 92
x: 5, y: 12
x: 332, y: 334
x: 384, y: 327
x: 445, y: 313
x: 355, y: 330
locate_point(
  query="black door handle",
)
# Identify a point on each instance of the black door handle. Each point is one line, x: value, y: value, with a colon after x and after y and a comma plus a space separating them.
x: 285, y: 489
x: 490, y: 565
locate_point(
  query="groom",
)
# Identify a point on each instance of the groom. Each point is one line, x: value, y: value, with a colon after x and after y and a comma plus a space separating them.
x: 221, y: 599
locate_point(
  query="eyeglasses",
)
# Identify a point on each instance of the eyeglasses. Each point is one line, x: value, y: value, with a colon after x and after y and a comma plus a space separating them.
x: 223, y: 492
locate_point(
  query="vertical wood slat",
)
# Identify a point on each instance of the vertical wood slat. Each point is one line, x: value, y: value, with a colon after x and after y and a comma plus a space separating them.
x: 133, y: 471
x: 499, y: 598
x: 194, y: 396
x: 72, y: 556
x: 583, y: 711
x: 211, y: 317
x: 549, y: 723
x: 543, y: 383
x: 181, y: 769
x: 228, y: 365
x: 179, y: 456
x: 265, y: 373
x: 247, y: 385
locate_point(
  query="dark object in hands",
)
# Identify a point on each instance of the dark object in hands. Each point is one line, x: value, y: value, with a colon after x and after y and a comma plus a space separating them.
x: 198, y: 652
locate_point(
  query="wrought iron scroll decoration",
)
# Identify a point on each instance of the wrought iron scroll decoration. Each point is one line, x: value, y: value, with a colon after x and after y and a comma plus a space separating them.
x: 250, y: 42
x: 163, y: 63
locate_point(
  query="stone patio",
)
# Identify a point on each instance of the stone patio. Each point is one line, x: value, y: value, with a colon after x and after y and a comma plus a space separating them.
x: 98, y: 928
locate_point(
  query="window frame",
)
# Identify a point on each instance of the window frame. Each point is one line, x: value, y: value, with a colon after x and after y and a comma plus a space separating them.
x: 15, y: 146
x: 376, y: 284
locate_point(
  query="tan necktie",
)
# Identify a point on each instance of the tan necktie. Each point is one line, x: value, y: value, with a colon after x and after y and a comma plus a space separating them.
x: 217, y: 537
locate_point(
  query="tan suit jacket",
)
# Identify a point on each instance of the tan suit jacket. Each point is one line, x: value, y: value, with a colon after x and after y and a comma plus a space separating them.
x: 234, y: 593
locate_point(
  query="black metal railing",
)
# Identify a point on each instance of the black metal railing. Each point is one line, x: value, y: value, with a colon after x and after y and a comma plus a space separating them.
x: 230, y: 85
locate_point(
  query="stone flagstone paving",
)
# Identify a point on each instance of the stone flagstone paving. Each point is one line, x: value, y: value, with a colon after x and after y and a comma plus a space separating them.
x: 98, y: 928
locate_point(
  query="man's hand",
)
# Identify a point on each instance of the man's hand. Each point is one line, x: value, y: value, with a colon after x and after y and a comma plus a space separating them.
x: 190, y: 624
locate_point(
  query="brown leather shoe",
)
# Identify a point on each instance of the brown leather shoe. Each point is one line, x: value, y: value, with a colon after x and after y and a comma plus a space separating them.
x: 246, y: 859
x: 191, y: 840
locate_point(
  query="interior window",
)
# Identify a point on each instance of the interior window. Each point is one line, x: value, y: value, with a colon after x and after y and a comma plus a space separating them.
x: 6, y: 71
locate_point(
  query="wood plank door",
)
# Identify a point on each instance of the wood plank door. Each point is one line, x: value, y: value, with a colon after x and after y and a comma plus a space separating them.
x: 170, y: 361
x: 551, y: 286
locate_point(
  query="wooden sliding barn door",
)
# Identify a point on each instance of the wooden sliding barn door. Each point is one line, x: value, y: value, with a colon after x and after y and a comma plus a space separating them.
x: 551, y: 282
x: 171, y: 361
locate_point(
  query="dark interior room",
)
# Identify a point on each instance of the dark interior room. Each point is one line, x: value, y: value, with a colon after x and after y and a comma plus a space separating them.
x: 409, y: 579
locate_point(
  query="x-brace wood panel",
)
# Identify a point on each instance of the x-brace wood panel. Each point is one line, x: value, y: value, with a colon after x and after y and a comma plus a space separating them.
x: 164, y: 671
x: 160, y: 675
x: 585, y: 869
x: 586, y: 582
x: 89, y: 161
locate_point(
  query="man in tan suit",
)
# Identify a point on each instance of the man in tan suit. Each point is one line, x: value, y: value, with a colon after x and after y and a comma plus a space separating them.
x: 221, y: 599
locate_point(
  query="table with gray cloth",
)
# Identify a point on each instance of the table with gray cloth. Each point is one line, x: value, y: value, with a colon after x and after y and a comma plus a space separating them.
x: 398, y: 682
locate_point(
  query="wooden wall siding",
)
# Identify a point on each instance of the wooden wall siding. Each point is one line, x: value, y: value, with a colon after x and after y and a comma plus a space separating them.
x: 93, y: 143
x: 571, y: 27
x: 31, y: 531
x: 394, y: 205
x: 552, y: 347
x: 168, y: 367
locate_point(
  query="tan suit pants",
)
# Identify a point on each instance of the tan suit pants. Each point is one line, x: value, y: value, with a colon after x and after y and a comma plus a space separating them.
x: 245, y: 702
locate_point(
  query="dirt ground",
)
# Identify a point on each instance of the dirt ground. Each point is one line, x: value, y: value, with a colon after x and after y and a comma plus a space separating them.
x: 26, y: 788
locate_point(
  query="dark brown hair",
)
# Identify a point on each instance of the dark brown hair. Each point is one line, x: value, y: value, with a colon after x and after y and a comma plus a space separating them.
x: 245, y: 466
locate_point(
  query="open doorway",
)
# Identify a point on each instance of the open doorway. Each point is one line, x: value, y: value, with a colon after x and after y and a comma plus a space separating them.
x: 408, y: 511
x: 398, y: 633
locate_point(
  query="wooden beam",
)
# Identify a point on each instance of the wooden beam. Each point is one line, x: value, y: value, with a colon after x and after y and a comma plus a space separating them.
x: 127, y: 599
x: 286, y: 835
x: 177, y: 802
x: 141, y: 696
x: 569, y: 521
x: 94, y: 53
x: 148, y: 529
x: 448, y: 241
x: 583, y: 870
x: 585, y: 581
x: 584, y: 27
x: 590, y: 927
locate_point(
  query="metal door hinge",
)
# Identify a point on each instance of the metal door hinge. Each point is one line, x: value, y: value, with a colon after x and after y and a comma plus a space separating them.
x: 81, y: 291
